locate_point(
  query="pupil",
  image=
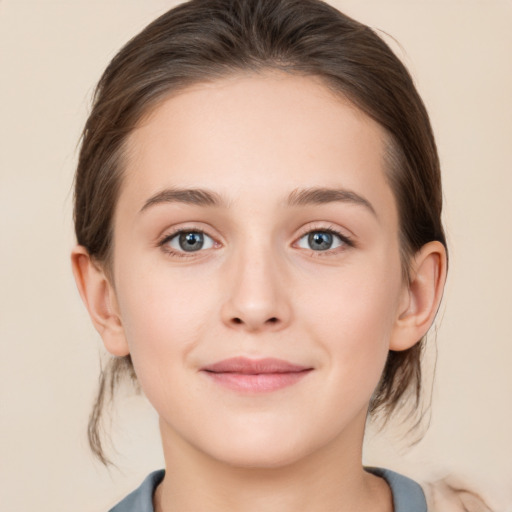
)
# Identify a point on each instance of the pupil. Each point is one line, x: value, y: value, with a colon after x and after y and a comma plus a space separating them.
x: 320, y: 241
x: 191, y: 241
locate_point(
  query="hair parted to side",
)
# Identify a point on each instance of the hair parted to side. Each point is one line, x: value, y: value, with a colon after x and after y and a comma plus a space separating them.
x: 204, y: 40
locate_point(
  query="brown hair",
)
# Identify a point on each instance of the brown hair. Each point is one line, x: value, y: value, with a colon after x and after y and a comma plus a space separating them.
x: 203, y: 40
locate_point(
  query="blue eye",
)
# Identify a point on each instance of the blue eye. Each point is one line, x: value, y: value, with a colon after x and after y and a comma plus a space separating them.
x: 189, y: 241
x: 321, y: 240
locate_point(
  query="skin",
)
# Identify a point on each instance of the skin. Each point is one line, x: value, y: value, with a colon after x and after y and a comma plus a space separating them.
x: 259, y: 289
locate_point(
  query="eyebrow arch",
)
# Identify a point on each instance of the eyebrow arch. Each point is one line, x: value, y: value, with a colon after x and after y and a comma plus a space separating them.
x: 303, y: 197
x: 298, y: 197
x: 194, y: 196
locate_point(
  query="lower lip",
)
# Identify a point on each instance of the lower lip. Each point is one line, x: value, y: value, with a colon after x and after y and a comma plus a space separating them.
x: 258, y: 383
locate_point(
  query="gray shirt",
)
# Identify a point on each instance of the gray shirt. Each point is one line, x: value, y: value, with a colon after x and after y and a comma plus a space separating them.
x: 407, y: 494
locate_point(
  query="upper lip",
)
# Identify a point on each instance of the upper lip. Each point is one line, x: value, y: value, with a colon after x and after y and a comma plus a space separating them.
x: 254, y: 366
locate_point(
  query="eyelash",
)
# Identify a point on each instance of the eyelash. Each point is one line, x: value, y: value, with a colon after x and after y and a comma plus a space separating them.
x: 345, y: 240
x: 162, y: 243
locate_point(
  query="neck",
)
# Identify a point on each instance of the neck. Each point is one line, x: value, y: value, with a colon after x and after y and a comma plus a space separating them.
x: 331, y: 478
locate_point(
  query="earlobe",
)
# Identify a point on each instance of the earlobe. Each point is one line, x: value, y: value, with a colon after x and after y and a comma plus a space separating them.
x: 99, y: 298
x: 422, y: 296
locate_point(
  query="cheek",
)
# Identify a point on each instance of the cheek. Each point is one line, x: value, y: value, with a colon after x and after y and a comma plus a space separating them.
x: 352, y: 317
x: 163, y: 319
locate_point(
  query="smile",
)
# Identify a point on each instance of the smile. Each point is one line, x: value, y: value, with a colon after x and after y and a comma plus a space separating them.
x: 255, y: 375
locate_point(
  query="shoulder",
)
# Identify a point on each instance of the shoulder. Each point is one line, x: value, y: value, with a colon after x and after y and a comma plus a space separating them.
x: 408, y: 496
x: 444, y: 495
x: 141, y: 500
x: 450, y: 495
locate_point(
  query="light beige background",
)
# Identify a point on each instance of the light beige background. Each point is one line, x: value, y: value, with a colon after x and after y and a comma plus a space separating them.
x: 51, y: 55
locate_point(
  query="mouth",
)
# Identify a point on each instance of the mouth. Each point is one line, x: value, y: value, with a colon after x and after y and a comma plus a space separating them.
x: 255, y: 375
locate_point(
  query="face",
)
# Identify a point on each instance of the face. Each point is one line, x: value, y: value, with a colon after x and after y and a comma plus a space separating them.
x: 255, y: 222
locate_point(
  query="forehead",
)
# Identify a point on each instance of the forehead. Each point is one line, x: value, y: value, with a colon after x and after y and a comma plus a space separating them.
x: 270, y: 132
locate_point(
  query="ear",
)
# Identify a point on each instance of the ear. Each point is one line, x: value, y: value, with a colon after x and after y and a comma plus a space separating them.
x: 99, y: 298
x: 421, y: 296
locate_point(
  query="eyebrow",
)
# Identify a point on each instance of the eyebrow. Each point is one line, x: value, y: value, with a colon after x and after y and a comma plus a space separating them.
x: 193, y: 196
x: 298, y: 197
x: 303, y: 197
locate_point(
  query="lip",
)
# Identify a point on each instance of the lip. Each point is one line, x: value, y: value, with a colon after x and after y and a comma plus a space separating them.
x: 255, y: 375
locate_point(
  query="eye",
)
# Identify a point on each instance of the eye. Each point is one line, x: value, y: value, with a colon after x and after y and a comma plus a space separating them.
x: 322, y: 240
x: 188, y: 241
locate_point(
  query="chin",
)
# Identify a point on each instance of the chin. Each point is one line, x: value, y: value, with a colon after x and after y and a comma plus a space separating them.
x: 256, y: 457
x: 264, y: 448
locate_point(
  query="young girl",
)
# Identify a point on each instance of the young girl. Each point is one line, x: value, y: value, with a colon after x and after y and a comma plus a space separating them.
x: 258, y: 216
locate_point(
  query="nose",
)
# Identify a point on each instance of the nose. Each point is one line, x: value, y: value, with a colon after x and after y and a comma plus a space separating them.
x: 257, y: 298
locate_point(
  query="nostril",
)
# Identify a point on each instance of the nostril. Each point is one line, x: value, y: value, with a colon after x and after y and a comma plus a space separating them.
x: 272, y: 320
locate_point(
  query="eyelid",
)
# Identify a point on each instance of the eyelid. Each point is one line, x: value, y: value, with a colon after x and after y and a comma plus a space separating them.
x: 343, y: 233
x: 346, y: 239
x: 163, y: 241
